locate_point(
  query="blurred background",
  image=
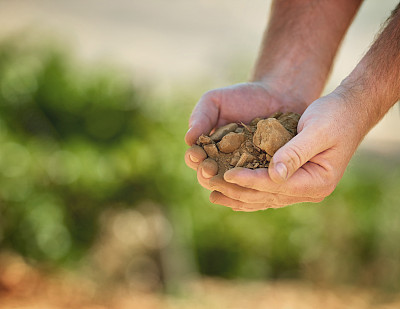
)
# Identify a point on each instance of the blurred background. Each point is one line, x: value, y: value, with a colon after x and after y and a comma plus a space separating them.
x: 97, y: 208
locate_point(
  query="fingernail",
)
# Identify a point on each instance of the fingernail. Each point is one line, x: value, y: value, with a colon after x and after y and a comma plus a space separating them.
x: 281, y: 169
x: 194, y: 159
x: 228, y: 175
x: 205, y: 174
x: 231, y: 174
x: 188, y: 130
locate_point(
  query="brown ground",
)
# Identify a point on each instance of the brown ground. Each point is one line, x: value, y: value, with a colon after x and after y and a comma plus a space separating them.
x: 24, y: 287
x: 250, y: 146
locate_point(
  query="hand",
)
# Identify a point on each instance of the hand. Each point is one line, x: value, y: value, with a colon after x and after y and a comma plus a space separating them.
x: 241, y: 102
x: 307, y: 168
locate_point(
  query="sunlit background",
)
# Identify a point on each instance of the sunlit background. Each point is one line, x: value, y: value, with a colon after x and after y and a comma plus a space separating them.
x: 97, y: 208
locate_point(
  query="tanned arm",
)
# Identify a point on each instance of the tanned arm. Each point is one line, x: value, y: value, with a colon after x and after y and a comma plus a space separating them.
x: 295, y: 59
x: 309, y: 167
x: 375, y: 82
x: 300, y: 43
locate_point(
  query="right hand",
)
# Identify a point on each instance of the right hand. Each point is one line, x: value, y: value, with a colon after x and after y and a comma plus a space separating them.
x: 309, y: 166
x: 240, y: 102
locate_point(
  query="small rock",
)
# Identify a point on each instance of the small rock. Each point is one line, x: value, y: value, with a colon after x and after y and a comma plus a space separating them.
x: 231, y: 142
x: 255, y: 121
x: 276, y: 115
x: 204, y: 140
x: 222, y: 131
x: 290, y: 121
x: 270, y: 135
x: 235, y: 158
x: 211, y: 150
x: 245, y: 158
x: 250, y: 147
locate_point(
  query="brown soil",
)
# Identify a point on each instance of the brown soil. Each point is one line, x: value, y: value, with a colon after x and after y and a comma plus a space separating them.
x: 24, y: 287
x: 250, y: 146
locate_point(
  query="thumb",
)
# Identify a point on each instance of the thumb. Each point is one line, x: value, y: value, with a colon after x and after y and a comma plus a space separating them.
x: 203, y: 119
x: 295, y: 153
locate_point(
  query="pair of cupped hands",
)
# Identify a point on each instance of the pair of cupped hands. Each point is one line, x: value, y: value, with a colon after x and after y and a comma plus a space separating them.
x: 306, y: 169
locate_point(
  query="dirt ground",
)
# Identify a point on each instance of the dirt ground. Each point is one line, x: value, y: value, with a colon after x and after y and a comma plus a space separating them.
x: 23, y: 287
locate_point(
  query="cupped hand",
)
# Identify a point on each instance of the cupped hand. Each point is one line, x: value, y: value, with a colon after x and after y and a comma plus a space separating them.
x: 240, y: 102
x: 306, y: 169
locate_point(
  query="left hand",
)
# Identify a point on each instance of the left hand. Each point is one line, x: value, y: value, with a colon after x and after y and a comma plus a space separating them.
x: 307, y: 168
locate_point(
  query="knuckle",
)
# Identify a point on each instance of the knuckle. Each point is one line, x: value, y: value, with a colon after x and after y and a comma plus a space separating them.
x: 235, y: 195
x: 328, y: 182
x: 210, y: 95
x: 295, y: 156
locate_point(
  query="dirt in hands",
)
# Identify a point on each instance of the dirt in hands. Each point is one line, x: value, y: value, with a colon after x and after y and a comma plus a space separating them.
x: 249, y: 145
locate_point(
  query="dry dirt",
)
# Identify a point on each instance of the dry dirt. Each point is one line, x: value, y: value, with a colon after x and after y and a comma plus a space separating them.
x: 42, y: 292
x: 24, y: 287
x: 252, y: 145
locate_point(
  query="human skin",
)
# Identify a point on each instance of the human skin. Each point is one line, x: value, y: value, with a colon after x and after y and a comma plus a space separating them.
x: 289, y: 74
x: 309, y: 167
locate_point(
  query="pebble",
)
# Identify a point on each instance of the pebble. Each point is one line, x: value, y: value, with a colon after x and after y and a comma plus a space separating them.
x: 211, y: 150
x: 222, y: 131
x: 205, y: 140
x: 230, y: 142
x: 271, y: 135
x: 245, y: 158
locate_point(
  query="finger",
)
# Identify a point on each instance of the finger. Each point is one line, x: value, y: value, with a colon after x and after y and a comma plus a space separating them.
x: 239, y: 193
x: 295, y: 153
x: 247, y: 195
x: 207, y: 169
x: 194, y: 156
x: 304, y: 183
x: 203, y: 119
x: 220, y: 199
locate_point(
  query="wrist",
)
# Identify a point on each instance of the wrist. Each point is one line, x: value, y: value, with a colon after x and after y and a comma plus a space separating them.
x: 299, y: 72
x: 288, y: 90
x: 357, y: 108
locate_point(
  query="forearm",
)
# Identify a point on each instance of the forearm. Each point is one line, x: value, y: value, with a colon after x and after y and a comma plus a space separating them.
x: 300, y: 43
x: 374, y: 85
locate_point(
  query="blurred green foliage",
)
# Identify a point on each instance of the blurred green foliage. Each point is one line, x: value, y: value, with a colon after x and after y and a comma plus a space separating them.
x: 76, y: 141
x: 72, y: 143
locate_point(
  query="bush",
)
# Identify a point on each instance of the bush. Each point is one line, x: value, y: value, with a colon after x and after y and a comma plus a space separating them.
x: 76, y: 142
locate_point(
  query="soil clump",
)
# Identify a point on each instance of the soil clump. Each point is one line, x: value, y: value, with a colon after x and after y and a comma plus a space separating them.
x: 252, y: 145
